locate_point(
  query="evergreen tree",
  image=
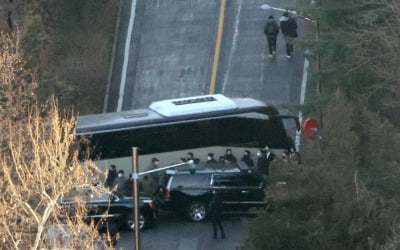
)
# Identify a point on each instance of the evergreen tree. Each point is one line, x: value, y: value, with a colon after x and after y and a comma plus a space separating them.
x: 345, y: 195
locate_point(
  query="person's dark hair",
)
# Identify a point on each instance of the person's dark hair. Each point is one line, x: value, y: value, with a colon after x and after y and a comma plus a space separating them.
x: 271, y: 17
x: 191, y: 154
x: 113, y: 166
x: 154, y: 160
x: 211, y: 154
x: 121, y: 171
x: 248, y: 152
x: 228, y: 150
x: 286, y: 14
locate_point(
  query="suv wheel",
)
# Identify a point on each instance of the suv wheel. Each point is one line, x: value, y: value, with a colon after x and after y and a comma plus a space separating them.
x: 196, y: 211
x: 130, y: 224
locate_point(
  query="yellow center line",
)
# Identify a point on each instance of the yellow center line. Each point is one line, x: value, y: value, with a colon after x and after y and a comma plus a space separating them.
x: 217, y: 46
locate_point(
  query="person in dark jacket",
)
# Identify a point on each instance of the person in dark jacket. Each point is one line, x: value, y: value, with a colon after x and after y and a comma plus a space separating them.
x: 247, y: 159
x: 127, y: 190
x: 119, y: 182
x: 229, y: 157
x: 289, y: 31
x: 211, y: 159
x: 271, y: 30
x: 215, y: 210
x: 111, y: 175
x: 262, y: 163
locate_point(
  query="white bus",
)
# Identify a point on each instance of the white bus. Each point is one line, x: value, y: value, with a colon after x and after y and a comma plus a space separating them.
x: 178, y: 124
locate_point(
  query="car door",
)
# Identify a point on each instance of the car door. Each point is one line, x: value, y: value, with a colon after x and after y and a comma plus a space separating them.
x: 252, y: 191
x: 228, y: 184
x: 99, y: 204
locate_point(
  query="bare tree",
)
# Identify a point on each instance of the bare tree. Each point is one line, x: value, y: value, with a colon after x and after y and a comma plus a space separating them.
x: 38, y: 164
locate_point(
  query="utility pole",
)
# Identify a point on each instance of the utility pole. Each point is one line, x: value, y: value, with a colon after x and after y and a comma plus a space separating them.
x: 135, y: 200
x: 135, y: 197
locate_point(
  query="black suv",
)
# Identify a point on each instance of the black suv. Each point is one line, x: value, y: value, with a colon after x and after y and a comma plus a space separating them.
x: 190, y: 188
x: 109, y: 206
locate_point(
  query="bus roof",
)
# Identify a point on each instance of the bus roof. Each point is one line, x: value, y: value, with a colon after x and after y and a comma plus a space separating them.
x: 173, y: 111
x: 193, y: 105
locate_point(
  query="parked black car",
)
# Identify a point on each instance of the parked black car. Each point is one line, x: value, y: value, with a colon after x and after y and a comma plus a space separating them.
x: 190, y: 188
x: 110, y: 207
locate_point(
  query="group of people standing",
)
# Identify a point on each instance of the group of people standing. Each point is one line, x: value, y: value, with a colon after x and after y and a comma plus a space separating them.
x: 118, y: 182
x: 288, y: 27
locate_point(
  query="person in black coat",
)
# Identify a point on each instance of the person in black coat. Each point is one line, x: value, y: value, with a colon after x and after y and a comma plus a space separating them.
x: 215, y: 210
x: 269, y: 155
x: 289, y: 31
x: 247, y: 159
x: 111, y: 175
x: 271, y: 30
x: 262, y: 163
x: 229, y: 157
x: 211, y: 159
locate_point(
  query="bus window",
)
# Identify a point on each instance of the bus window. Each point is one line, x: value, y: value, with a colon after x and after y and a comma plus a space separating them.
x: 177, y: 124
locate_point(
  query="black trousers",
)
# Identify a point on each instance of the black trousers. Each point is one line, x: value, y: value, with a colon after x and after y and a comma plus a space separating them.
x: 216, y: 223
x: 289, y: 45
x: 271, y: 45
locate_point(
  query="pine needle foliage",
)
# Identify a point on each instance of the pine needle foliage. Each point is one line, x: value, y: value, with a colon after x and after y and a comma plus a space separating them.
x: 344, y: 195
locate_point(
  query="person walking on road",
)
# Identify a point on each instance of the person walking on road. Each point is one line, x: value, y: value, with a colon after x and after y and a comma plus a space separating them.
x: 289, y: 31
x: 215, y: 209
x: 271, y: 30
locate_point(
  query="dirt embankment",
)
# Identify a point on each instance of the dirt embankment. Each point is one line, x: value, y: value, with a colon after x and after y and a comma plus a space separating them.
x: 67, y: 45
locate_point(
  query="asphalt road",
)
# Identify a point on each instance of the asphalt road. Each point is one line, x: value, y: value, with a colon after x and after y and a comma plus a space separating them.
x: 172, y: 47
x: 170, y: 55
x: 176, y: 233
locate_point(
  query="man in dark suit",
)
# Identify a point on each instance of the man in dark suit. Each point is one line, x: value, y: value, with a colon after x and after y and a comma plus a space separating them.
x: 269, y: 155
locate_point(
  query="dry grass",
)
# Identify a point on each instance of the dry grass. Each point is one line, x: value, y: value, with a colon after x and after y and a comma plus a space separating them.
x: 38, y: 161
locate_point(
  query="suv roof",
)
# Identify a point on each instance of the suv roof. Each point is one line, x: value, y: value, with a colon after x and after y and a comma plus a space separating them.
x: 210, y: 168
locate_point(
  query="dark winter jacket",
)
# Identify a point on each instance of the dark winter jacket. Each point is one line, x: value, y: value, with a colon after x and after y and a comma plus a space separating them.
x: 112, y: 174
x: 246, y: 159
x: 230, y: 157
x: 263, y: 164
x: 271, y: 28
x: 288, y: 26
x: 215, y: 207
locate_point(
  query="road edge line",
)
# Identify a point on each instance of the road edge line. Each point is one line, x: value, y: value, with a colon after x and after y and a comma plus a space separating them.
x: 114, y: 48
x: 302, y: 98
x: 126, y: 56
